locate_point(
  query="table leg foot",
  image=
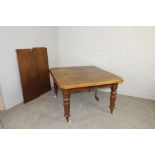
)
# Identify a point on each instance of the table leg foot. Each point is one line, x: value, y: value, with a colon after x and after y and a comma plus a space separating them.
x: 111, y: 110
x: 68, y: 120
x: 96, y: 97
x: 113, y: 97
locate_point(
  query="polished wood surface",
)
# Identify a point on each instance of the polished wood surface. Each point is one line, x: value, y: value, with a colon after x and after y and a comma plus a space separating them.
x: 34, y: 72
x: 71, y: 77
x: 28, y: 72
x: 41, y: 61
x: 83, y: 78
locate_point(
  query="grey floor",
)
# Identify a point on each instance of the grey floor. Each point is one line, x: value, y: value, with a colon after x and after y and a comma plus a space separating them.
x: 86, y: 113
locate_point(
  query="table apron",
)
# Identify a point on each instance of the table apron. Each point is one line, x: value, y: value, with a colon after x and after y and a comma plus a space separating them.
x: 88, y: 88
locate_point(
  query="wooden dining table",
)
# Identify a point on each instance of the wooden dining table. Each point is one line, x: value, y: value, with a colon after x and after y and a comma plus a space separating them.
x: 81, y: 79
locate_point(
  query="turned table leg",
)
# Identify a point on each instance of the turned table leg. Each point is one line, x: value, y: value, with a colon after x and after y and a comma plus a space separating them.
x: 113, y: 97
x: 66, y: 98
x: 55, y: 89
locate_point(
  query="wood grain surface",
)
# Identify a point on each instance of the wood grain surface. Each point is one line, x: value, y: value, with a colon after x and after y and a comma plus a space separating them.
x: 82, y: 76
x: 34, y: 72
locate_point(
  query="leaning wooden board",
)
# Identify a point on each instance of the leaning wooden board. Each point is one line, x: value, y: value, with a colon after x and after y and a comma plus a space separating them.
x: 34, y: 72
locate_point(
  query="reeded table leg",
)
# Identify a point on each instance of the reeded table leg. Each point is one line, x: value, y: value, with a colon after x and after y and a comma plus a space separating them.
x: 55, y: 89
x: 66, y: 98
x: 113, y: 97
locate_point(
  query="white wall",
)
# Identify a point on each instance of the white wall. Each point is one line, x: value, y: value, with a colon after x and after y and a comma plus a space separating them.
x: 1, y: 100
x: 12, y: 38
x: 126, y: 51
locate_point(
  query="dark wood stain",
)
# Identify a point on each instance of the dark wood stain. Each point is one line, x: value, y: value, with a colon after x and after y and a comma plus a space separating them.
x: 34, y: 72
